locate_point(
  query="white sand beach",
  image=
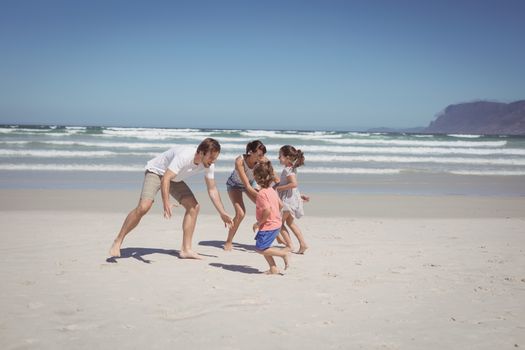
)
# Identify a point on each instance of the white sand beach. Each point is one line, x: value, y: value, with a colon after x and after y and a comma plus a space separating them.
x: 382, y: 272
x: 403, y: 121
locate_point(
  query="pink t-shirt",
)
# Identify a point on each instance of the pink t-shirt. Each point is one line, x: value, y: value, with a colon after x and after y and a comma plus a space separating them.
x: 268, y: 198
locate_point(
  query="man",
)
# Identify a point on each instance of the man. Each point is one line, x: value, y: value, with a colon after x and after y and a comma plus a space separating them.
x: 167, y: 172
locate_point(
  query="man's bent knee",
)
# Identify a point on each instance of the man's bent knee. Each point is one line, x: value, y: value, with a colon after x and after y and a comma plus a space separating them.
x: 191, y: 205
x: 143, y: 207
x: 197, y: 208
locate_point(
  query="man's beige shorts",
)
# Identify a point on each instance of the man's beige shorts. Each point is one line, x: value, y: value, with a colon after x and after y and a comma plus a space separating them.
x: 151, y: 186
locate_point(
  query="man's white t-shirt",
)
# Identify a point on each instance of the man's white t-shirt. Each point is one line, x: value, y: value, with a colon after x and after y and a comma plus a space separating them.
x: 179, y: 159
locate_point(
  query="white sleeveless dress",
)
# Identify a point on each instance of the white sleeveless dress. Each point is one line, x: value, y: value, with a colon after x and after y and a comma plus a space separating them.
x: 291, y: 198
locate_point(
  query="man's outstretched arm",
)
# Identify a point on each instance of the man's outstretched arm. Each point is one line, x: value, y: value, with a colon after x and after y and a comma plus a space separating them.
x: 215, y: 197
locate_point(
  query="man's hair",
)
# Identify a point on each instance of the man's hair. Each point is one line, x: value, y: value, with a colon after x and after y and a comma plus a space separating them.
x: 263, y: 174
x: 209, y: 145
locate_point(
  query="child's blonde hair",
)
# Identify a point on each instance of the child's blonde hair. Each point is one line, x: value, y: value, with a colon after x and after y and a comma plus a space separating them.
x: 295, y: 156
x: 263, y: 174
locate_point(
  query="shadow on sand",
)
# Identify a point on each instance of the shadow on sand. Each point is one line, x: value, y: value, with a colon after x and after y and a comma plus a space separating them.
x: 237, y: 268
x: 236, y: 246
x: 139, y: 253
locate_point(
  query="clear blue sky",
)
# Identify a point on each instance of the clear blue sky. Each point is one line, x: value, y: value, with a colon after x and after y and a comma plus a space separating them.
x: 341, y: 65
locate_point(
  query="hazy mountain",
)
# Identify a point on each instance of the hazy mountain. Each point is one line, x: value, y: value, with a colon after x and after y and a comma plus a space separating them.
x: 481, y: 117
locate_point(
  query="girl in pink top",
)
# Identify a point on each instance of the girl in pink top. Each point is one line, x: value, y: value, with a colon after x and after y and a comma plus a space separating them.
x: 268, y: 213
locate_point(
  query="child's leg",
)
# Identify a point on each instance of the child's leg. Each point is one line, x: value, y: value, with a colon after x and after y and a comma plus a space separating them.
x: 296, y: 230
x: 283, y: 253
x: 285, y: 236
x: 274, y: 270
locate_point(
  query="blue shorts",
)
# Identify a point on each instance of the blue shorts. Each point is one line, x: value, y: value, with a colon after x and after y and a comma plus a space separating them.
x: 264, y: 239
x: 232, y: 185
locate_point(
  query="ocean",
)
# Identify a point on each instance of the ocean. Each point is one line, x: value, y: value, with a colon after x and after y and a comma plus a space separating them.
x: 359, y: 162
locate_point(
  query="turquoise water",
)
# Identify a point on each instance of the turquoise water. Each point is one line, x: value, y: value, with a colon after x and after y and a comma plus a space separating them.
x: 98, y: 157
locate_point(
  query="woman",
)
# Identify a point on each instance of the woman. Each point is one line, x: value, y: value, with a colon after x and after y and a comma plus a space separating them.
x: 242, y: 180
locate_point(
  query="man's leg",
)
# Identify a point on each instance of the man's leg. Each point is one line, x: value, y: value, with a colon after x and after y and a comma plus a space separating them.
x: 131, y: 221
x: 191, y: 207
x: 150, y: 187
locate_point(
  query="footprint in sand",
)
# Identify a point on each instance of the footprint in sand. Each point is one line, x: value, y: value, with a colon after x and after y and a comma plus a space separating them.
x: 77, y: 327
x: 68, y: 312
x: 35, y: 305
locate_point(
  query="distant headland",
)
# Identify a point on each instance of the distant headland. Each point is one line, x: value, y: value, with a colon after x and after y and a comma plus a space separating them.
x: 479, y: 117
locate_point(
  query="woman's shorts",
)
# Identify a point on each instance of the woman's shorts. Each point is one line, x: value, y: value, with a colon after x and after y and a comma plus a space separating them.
x: 264, y: 239
x: 151, y: 186
x: 232, y: 185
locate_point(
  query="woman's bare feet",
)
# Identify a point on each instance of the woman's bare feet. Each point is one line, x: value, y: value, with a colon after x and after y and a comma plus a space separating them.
x: 228, y: 246
x: 190, y: 254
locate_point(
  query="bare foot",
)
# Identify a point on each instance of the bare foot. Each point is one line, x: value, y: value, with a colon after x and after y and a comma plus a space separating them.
x: 190, y: 254
x: 302, y: 249
x: 273, y: 271
x: 286, y: 260
x: 115, y: 249
x: 227, y: 246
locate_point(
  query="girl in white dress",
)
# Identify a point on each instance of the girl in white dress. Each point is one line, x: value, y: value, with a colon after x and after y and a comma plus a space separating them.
x: 289, y: 194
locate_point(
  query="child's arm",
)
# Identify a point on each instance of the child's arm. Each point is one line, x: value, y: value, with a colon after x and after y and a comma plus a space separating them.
x: 276, y: 179
x: 265, y: 214
x: 292, y: 183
